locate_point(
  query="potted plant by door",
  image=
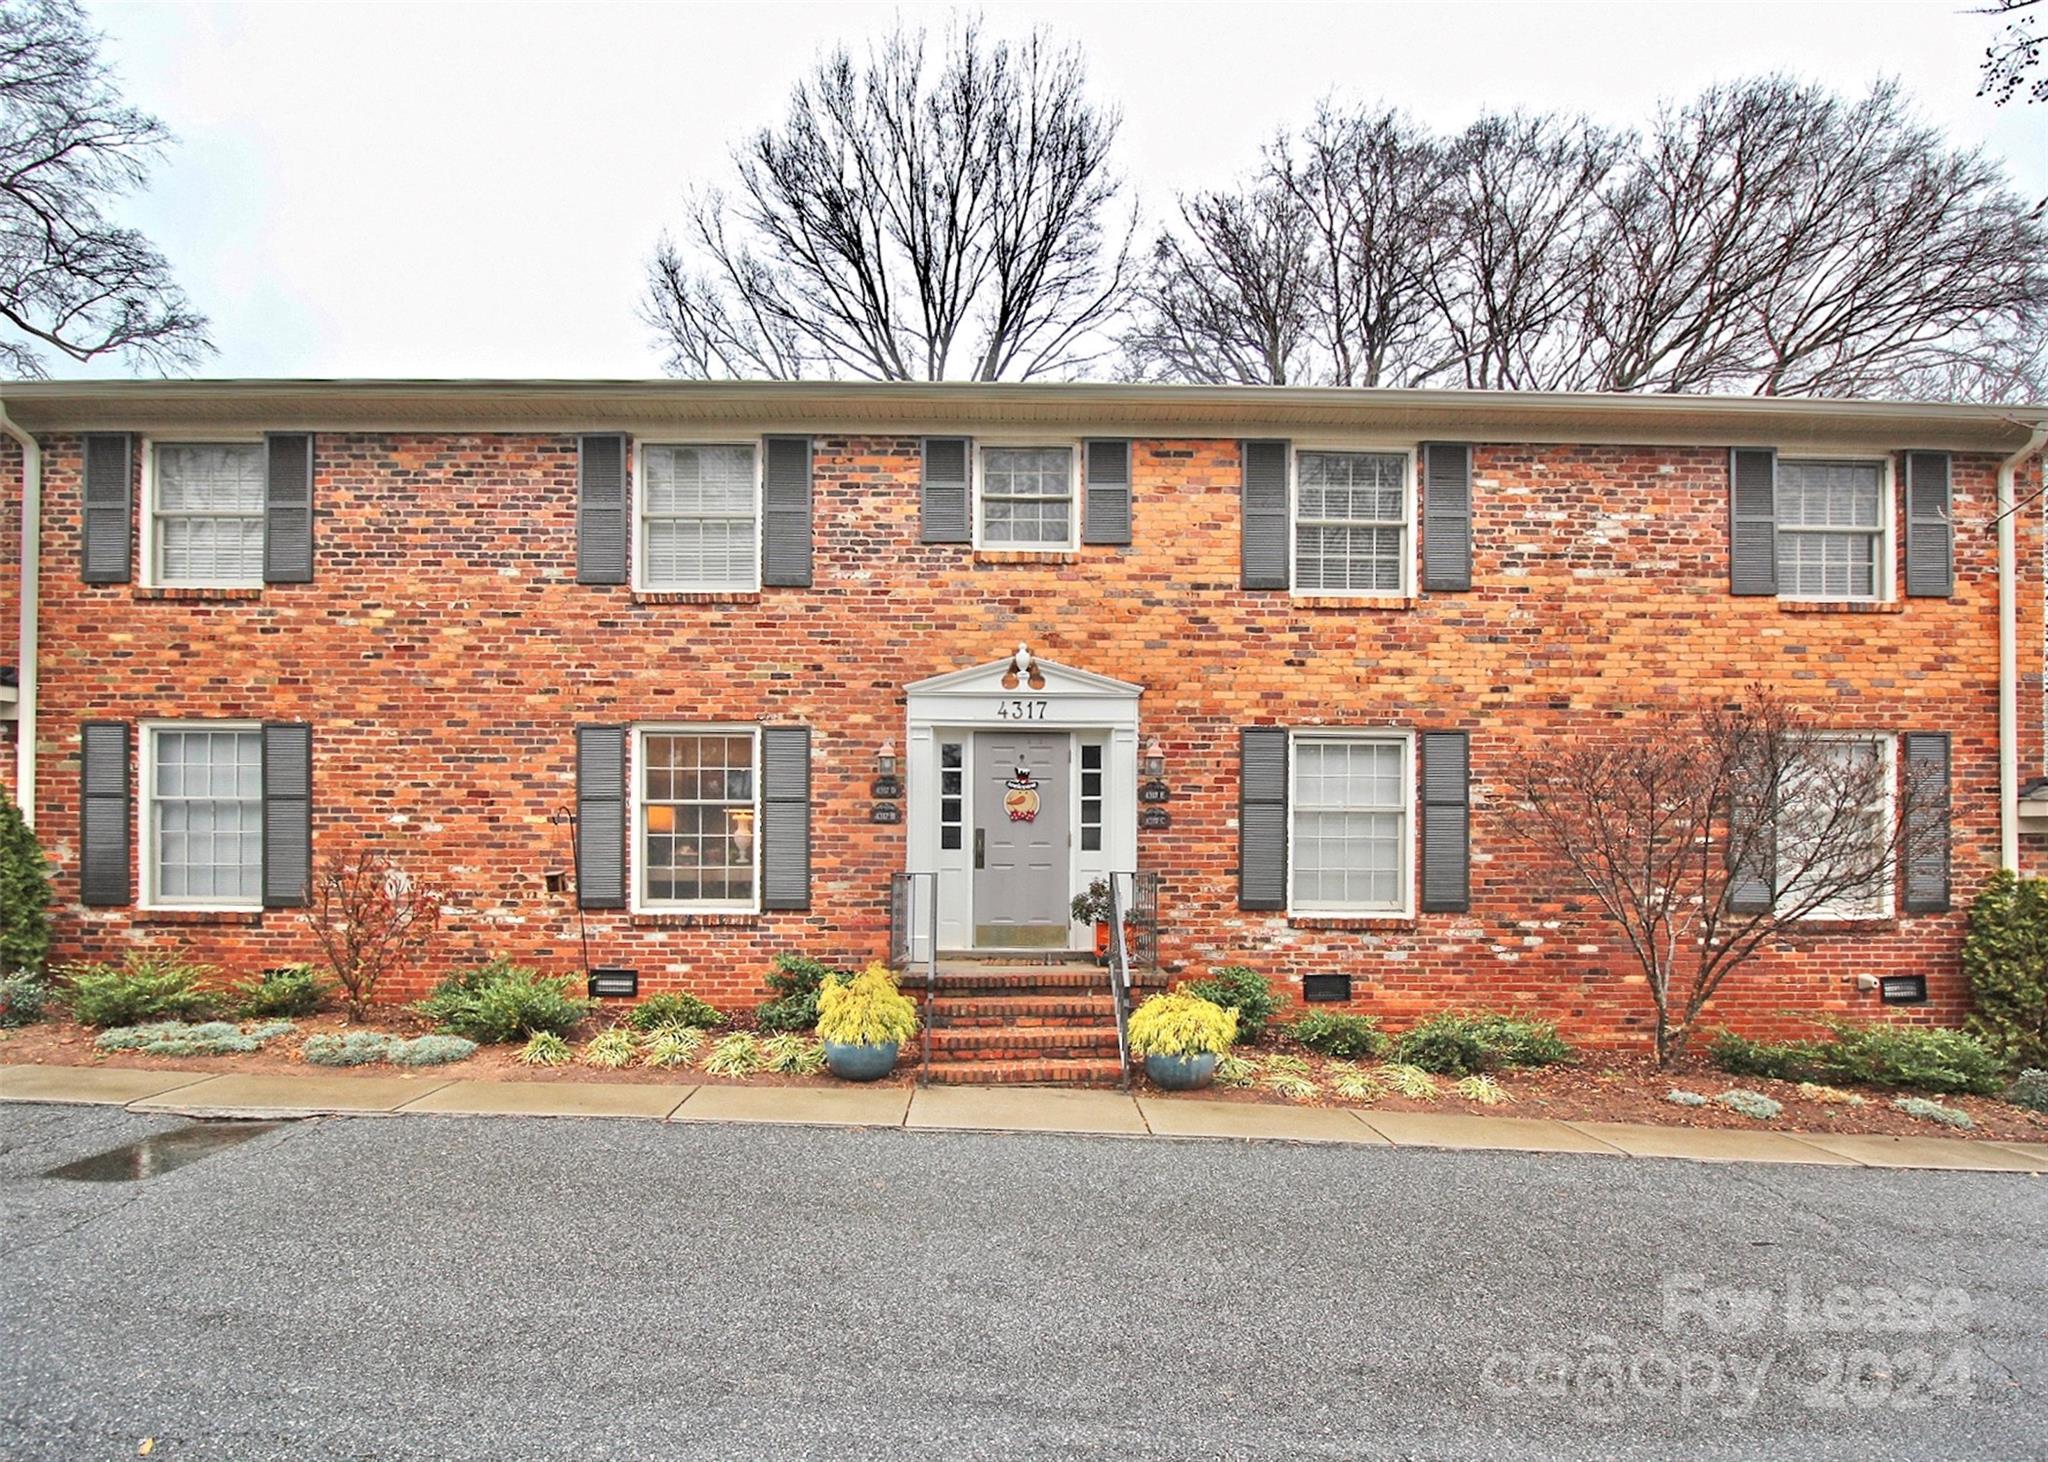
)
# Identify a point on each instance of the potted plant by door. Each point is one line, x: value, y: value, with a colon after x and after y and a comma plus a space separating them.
x: 1091, y: 906
x: 864, y: 1023
x: 1181, y: 1037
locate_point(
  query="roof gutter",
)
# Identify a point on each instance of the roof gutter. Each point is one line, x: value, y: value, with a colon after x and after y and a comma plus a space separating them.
x: 2008, y: 653
x: 31, y: 561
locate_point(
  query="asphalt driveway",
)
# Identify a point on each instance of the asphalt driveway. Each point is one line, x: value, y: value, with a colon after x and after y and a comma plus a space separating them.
x: 461, y: 1287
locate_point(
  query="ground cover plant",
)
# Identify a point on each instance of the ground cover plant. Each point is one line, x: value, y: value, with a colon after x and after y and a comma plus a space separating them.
x: 362, y: 1048
x: 180, y: 1038
x: 1878, y: 1053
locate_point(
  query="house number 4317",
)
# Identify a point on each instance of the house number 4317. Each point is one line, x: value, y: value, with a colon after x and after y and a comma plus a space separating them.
x: 1021, y: 710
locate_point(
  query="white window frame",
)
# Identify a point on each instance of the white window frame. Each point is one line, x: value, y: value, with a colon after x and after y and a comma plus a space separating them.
x: 1888, y: 752
x: 636, y: 786
x: 152, y: 875
x: 641, y: 581
x: 152, y: 576
x: 1405, y: 909
x: 1072, y: 447
x: 1886, y: 568
x: 1409, y: 454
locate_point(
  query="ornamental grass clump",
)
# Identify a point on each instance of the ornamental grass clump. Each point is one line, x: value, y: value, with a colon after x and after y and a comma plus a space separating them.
x: 1180, y: 1024
x: 1832, y: 1096
x: 738, y: 1054
x: 1483, y: 1090
x: 1293, y: 1086
x: 867, y: 1010
x: 609, y: 1050
x: 544, y: 1048
x: 793, y: 1055
x: 1411, y: 1082
x: 1232, y: 1070
x: 671, y: 1046
x: 1353, y: 1084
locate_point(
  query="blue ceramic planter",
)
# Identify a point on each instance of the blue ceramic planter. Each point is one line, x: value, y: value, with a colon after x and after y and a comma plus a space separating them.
x: 860, y: 1063
x: 1181, y: 1073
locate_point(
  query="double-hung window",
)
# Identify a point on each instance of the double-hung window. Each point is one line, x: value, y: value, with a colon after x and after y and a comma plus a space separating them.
x: 203, y: 815
x: 1351, y: 814
x: 700, y: 517
x: 698, y: 814
x: 1027, y: 497
x: 206, y: 514
x: 1834, y: 825
x: 1350, y: 522
x: 1831, y: 540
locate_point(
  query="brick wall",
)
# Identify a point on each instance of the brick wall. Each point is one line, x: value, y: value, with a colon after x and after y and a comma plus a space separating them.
x: 444, y: 655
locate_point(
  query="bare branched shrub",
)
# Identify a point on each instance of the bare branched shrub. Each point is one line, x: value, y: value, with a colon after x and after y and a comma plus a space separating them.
x: 372, y: 920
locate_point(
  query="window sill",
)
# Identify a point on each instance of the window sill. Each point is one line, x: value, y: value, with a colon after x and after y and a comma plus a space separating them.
x: 1026, y: 555
x: 687, y: 596
x: 1352, y: 601
x: 1390, y: 922
x: 195, y: 594
x: 729, y: 920
x: 244, y: 918
x: 1841, y: 606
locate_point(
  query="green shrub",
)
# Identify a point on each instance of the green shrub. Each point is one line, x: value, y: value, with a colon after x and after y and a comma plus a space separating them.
x: 1466, y: 1043
x: 796, y: 980
x: 1926, y: 1058
x: 2005, y: 956
x: 674, y: 1007
x: 24, y: 896
x: 289, y: 990
x: 1245, y: 990
x: 176, y: 1038
x: 142, y: 988
x: 2030, y: 1090
x: 1346, y: 1037
x: 1180, y: 1024
x: 501, y: 1001
x: 23, y: 997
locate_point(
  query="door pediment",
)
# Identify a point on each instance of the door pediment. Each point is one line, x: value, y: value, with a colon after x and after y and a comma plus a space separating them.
x: 1023, y: 674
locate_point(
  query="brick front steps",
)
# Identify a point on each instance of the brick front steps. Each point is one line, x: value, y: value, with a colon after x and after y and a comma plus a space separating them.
x: 1007, y: 1023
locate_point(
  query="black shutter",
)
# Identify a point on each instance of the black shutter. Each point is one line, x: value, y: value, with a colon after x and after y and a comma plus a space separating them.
x: 1753, y: 522
x: 601, y: 536
x: 1927, y: 822
x: 1930, y: 530
x: 1262, y: 818
x: 601, y: 817
x: 1106, y: 516
x: 1263, y: 553
x: 287, y: 814
x: 1446, y: 822
x: 105, y: 809
x: 785, y: 817
x: 786, y: 512
x: 288, y: 509
x: 107, y: 543
x: 943, y: 492
x: 1446, y: 516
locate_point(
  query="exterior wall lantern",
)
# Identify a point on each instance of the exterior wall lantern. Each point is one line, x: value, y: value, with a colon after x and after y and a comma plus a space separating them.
x: 1155, y: 758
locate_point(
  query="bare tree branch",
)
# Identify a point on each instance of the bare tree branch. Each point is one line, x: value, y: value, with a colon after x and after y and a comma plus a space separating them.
x: 2009, y: 58
x: 70, y: 279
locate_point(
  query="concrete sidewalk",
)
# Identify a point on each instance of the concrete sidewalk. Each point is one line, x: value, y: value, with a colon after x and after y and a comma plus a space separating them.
x: 980, y: 1109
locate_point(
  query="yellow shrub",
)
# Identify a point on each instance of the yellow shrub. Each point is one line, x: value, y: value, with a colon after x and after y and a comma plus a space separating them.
x: 1182, y: 1025
x: 867, y: 1010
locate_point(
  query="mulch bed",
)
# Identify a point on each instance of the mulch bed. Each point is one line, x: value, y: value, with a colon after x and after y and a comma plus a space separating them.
x: 1602, y: 1087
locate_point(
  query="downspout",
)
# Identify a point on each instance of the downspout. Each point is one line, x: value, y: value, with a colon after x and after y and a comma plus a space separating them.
x: 2008, y: 653
x: 31, y: 564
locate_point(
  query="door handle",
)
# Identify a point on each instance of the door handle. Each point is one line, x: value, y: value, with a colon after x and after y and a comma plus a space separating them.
x: 981, y: 847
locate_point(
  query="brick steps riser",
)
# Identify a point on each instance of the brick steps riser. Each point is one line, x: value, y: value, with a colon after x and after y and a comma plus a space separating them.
x: 1025, y: 1073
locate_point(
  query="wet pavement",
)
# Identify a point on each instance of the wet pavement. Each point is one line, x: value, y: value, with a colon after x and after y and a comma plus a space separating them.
x: 163, y: 1152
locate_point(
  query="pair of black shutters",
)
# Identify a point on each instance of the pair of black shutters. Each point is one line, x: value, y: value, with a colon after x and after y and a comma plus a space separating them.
x: 1752, y: 886
x: 785, y: 829
x: 107, y: 540
x: 945, y: 503
x: 107, y: 820
x: 1266, y: 551
x: 1444, y: 803
x: 1753, y: 523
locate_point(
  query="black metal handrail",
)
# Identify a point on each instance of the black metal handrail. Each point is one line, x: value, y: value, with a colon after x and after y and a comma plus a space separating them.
x: 1120, y: 970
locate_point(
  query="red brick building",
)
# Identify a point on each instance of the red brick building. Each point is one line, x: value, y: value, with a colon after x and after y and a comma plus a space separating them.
x: 764, y: 641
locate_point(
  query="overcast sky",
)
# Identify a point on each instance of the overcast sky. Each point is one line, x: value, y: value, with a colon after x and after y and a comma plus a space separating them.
x: 439, y: 189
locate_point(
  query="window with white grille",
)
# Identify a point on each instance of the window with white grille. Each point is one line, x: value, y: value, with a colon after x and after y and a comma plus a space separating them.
x: 1027, y: 497
x: 207, y: 514
x: 699, y: 518
x: 1351, y: 806
x: 1350, y: 522
x: 1830, y: 529
x: 699, y: 818
x: 203, y: 809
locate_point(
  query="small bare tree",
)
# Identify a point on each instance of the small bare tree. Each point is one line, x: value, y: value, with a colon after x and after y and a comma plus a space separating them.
x: 71, y: 279
x: 371, y: 920
x: 2015, y: 52
x: 912, y: 219
x: 1704, y: 837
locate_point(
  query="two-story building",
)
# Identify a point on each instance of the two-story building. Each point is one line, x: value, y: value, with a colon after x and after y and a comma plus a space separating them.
x: 686, y: 674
